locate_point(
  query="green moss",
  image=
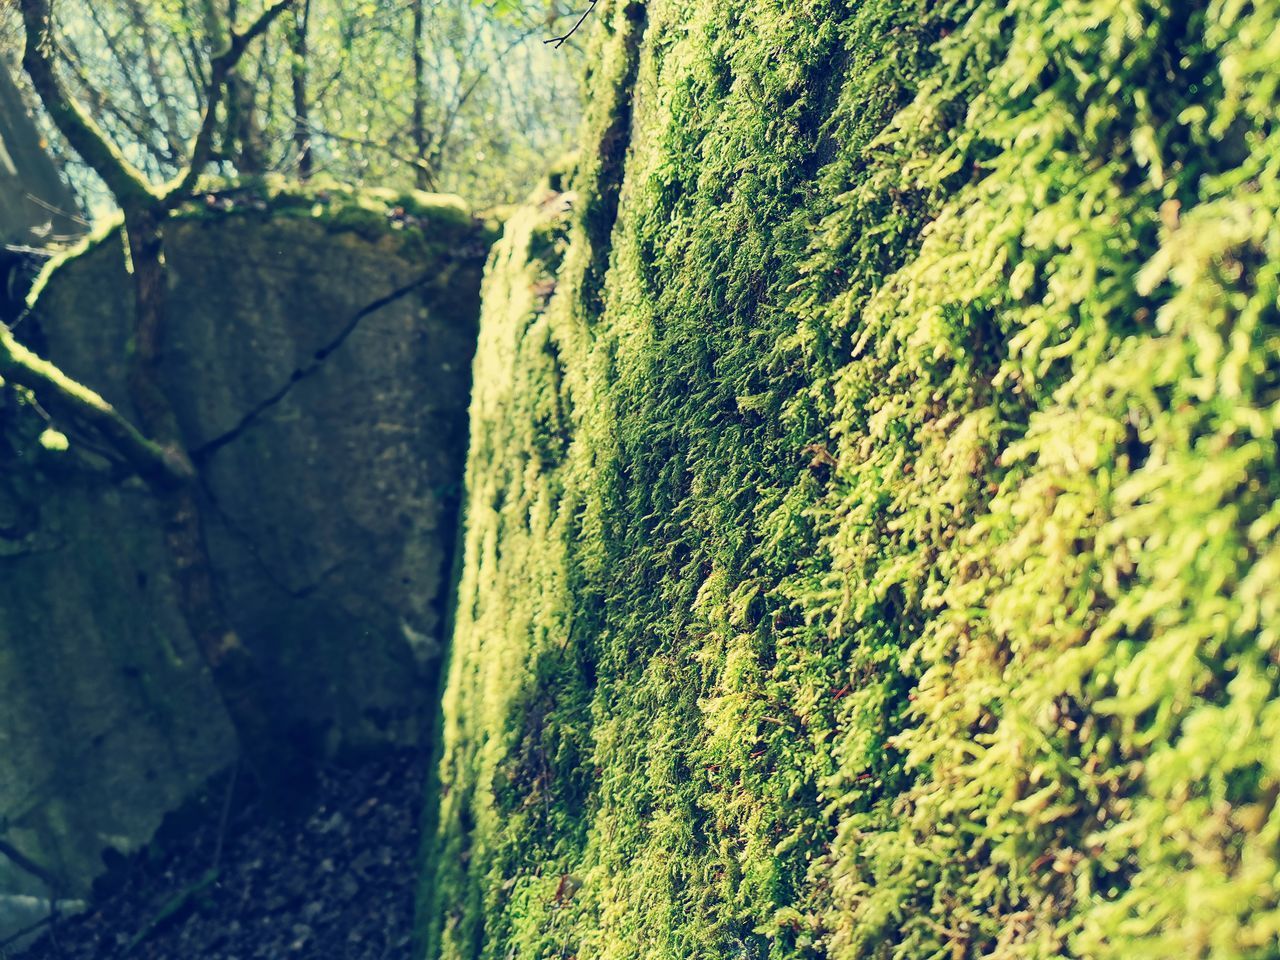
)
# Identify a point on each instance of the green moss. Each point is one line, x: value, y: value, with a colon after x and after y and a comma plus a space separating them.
x: 871, y: 502
x: 430, y: 225
x: 106, y: 231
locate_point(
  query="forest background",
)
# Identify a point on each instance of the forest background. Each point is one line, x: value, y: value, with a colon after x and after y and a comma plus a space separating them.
x: 453, y: 96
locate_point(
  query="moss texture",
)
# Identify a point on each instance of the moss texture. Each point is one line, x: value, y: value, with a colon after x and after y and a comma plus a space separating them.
x: 871, y: 539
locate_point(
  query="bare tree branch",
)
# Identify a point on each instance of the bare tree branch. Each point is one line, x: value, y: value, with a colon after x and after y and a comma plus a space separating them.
x: 121, y: 177
x: 385, y: 147
x: 173, y: 129
x: 25, y: 931
x: 26, y: 864
x: 220, y: 68
x: 446, y: 129
x: 55, y: 389
x: 101, y: 106
x: 561, y: 41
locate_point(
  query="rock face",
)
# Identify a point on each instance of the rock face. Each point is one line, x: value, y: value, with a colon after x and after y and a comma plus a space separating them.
x: 36, y: 206
x: 319, y: 357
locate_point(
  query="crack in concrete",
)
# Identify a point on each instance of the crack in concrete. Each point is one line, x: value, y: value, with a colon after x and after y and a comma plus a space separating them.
x: 202, y: 454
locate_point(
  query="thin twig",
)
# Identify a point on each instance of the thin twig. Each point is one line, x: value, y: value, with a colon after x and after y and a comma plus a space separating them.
x: 226, y: 815
x: 560, y: 41
x: 220, y: 68
x: 56, y: 210
x: 24, y: 932
x: 27, y: 865
x: 446, y: 129
x: 386, y: 147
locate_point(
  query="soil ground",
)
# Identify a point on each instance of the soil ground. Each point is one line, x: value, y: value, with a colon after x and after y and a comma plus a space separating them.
x: 334, y: 883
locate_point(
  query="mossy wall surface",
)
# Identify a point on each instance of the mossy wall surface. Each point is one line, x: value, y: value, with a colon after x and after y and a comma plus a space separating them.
x: 871, y: 541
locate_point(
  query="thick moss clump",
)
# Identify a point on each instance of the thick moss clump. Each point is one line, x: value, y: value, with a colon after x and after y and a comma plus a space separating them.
x: 872, y: 503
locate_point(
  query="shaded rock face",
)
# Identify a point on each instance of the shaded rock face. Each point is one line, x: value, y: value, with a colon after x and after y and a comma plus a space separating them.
x: 321, y: 372
x: 37, y: 208
x: 107, y: 715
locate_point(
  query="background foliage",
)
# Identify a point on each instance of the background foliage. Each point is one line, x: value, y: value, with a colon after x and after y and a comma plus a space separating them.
x: 872, y: 515
x: 495, y: 102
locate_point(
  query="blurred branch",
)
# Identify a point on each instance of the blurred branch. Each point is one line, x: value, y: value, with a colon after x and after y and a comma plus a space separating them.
x: 85, y: 136
x: 56, y: 390
x: 135, y: 125
x: 27, y: 865
x: 172, y: 126
x: 220, y: 68
x: 384, y: 147
x: 452, y: 116
x: 24, y: 932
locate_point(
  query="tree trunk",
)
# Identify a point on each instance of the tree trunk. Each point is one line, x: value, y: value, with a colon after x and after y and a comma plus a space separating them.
x: 262, y: 733
x: 301, y: 107
x: 420, y: 173
x: 249, y: 152
x: 172, y: 127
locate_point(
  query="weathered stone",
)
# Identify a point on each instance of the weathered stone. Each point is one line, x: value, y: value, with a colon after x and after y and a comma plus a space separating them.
x: 38, y: 211
x: 36, y: 206
x: 318, y: 355
x: 107, y: 715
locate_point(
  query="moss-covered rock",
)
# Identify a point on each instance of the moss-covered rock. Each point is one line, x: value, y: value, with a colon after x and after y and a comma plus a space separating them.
x: 871, y: 523
x: 318, y: 354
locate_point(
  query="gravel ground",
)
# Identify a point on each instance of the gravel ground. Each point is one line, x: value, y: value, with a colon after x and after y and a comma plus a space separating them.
x: 334, y: 884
